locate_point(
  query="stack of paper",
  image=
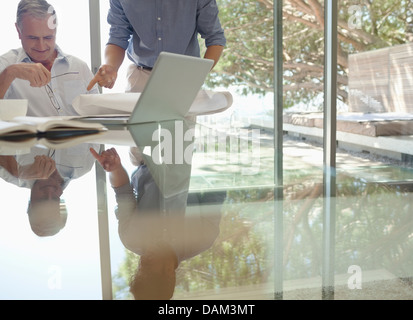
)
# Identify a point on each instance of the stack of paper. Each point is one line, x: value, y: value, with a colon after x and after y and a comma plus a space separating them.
x: 113, y: 104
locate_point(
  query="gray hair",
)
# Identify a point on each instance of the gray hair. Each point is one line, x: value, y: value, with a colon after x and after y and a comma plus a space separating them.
x: 36, y: 8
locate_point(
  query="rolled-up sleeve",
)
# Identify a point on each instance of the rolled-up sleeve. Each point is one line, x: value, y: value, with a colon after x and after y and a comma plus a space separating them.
x: 209, y: 25
x: 121, y: 30
x: 126, y: 202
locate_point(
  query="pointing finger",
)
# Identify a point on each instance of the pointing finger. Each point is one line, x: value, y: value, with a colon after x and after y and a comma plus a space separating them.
x: 95, y: 154
x: 92, y: 84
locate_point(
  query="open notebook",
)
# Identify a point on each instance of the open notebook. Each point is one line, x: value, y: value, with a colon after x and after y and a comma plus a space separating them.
x: 170, y: 91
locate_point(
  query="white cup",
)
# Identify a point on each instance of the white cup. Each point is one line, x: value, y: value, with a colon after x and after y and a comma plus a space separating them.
x: 11, y: 108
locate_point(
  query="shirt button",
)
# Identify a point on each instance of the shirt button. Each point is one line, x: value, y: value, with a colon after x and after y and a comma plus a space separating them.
x: 159, y: 38
x: 159, y: 18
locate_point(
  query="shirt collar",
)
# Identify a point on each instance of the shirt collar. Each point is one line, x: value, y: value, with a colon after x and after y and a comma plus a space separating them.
x: 61, y: 55
x: 23, y: 57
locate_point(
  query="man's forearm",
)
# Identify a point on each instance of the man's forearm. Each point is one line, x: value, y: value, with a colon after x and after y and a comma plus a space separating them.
x: 118, y: 177
x: 6, y: 79
x: 36, y: 73
x: 10, y: 164
x: 214, y: 53
x: 114, y: 56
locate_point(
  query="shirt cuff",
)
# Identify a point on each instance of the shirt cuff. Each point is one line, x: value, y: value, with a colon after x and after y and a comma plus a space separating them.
x: 118, y: 42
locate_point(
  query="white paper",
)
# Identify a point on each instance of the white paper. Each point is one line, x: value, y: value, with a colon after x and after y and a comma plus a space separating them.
x: 206, y: 102
x: 210, y: 102
x: 105, y: 104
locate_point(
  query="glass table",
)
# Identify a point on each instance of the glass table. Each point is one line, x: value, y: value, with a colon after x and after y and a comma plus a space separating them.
x: 201, y: 221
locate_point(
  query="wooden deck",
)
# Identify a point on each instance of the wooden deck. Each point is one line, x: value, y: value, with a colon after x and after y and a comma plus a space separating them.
x: 382, y: 80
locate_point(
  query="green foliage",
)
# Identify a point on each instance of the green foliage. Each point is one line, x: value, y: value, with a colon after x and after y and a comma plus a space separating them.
x: 247, y: 61
x: 248, y: 58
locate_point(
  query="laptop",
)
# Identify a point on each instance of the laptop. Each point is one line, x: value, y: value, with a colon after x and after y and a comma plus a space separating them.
x: 172, y: 87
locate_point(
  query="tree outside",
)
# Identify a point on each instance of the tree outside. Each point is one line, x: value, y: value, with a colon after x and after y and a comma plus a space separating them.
x: 247, y: 62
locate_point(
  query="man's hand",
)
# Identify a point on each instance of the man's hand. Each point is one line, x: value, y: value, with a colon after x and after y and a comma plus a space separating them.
x: 35, y: 73
x: 110, y: 162
x: 42, y: 168
x: 109, y: 159
x: 105, y: 77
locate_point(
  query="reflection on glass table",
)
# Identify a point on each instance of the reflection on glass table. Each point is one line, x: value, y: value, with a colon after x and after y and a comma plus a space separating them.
x: 192, y: 209
x: 152, y: 215
x: 187, y: 172
x: 47, y: 173
x: 47, y: 227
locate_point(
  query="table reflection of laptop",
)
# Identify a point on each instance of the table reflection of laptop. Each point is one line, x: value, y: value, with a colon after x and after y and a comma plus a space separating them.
x: 169, y: 93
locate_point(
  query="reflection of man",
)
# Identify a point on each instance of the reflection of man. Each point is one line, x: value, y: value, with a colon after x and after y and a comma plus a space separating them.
x: 71, y: 163
x: 47, y: 173
x: 40, y: 71
x: 41, y: 168
x: 145, y: 28
x: 159, y: 231
x: 47, y: 215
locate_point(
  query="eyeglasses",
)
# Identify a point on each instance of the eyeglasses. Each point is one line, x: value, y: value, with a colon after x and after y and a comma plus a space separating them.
x: 51, y: 94
x: 51, y: 155
x: 64, y: 74
x: 52, y: 97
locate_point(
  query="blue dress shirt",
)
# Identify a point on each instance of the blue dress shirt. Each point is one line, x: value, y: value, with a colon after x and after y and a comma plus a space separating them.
x: 147, y: 27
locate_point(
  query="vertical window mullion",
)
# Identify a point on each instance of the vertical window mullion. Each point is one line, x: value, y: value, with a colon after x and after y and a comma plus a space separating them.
x: 278, y: 149
x: 330, y: 133
x: 103, y: 219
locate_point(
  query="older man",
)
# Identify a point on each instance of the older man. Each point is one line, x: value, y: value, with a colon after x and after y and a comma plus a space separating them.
x: 40, y: 71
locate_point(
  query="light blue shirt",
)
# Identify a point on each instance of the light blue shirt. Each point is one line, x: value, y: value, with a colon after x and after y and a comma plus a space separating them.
x: 71, y: 163
x: 70, y: 78
x: 147, y: 27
